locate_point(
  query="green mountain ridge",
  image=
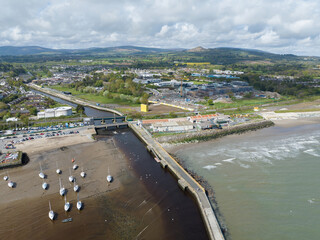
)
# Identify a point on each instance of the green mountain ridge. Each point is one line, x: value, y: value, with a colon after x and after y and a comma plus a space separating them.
x: 221, y: 55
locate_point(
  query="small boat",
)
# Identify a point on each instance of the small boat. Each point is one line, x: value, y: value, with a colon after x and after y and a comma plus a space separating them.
x: 62, y: 190
x: 10, y: 184
x: 83, y: 174
x: 6, y: 177
x: 109, y: 177
x: 51, y: 213
x: 79, y: 203
x: 75, y: 166
x: 67, y: 220
x: 44, y: 186
x: 58, y: 171
x: 72, y: 160
x: 75, y: 187
x: 41, y: 174
x: 66, y: 204
x: 71, y: 178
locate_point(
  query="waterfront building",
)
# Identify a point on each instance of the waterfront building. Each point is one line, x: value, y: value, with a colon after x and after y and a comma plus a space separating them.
x: 55, y: 112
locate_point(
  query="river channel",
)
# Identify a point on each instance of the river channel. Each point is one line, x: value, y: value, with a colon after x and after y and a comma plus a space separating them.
x: 152, y: 194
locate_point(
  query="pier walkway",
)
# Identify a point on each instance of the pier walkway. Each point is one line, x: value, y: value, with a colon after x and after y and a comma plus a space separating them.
x: 184, y: 180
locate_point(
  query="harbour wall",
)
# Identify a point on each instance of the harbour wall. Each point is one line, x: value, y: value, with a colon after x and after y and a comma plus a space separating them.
x: 185, y: 181
x: 73, y: 99
x: 215, y: 133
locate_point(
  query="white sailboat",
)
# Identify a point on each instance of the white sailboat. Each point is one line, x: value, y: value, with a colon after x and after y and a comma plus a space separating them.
x: 44, y: 185
x: 79, y: 203
x: 66, y: 204
x: 75, y: 166
x: 10, y: 184
x: 58, y: 171
x: 71, y: 178
x: 62, y: 190
x: 51, y: 213
x: 41, y: 174
x: 6, y: 177
x: 75, y: 186
x: 109, y: 177
x: 83, y: 174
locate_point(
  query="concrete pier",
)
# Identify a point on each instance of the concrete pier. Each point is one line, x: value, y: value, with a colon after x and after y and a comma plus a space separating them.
x: 185, y: 181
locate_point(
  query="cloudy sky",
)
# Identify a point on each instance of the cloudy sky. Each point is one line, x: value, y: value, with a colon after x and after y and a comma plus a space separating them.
x: 279, y: 26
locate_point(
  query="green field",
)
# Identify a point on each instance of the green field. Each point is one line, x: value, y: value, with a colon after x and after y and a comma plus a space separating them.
x: 245, y: 103
x: 93, y: 97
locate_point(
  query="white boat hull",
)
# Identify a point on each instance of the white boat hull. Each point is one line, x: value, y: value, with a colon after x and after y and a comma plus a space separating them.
x: 51, y: 215
x: 71, y: 179
x: 62, y: 191
x: 67, y: 206
x: 109, y: 178
x: 79, y: 205
x: 10, y: 184
x: 76, y: 188
x: 44, y: 186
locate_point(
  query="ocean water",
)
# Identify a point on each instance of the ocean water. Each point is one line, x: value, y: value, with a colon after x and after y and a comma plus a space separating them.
x: 266, y: 183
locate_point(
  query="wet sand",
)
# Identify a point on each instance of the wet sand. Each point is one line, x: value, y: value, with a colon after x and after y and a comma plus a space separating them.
x: 296, y: 122
x: 143, y: 201
x: 118, y: 210
x: 24, y: 209
x: 44, y: 144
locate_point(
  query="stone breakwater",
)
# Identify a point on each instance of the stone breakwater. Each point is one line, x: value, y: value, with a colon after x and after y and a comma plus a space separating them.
x: 215, y: 133
x: 210, y: 193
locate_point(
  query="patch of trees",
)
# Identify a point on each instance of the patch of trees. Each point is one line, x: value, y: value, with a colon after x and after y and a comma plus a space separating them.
x: 10, y: 98
x: 285, y: 87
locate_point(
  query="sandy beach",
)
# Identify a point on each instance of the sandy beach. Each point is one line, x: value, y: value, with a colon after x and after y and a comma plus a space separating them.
x: 44, y: 144
x: 29, y: 202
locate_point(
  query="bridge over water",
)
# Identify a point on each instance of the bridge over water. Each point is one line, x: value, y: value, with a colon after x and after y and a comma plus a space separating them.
x: 97, y: 121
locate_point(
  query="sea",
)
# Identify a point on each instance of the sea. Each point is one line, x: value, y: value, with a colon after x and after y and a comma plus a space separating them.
x: 266, y: 182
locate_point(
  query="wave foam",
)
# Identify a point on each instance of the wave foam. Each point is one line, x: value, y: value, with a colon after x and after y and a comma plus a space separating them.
x: 229, y: 160
x: 209, y: 167
x: 311, y: 152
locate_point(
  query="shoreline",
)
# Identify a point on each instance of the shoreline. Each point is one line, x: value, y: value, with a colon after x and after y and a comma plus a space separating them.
x: 173, y: 148
x: 210, y: 194
x: 213, y: 134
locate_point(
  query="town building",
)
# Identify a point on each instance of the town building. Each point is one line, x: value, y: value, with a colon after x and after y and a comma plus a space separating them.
x: 55, y: 112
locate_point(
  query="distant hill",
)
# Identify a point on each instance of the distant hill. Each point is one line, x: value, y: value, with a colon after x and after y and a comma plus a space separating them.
x: 222, y: 56
x: 29, y: 50
x: 234, y: 55
x: 34, y: 50
x: 197, y: 49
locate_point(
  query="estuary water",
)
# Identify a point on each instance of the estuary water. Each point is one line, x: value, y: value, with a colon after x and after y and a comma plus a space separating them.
x: 266, y: 183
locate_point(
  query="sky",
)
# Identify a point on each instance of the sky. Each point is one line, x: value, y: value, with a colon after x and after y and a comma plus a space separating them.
x: 278, y: 26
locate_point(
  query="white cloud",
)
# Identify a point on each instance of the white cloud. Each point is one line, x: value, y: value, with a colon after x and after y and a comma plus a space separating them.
x: 264, y: 24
